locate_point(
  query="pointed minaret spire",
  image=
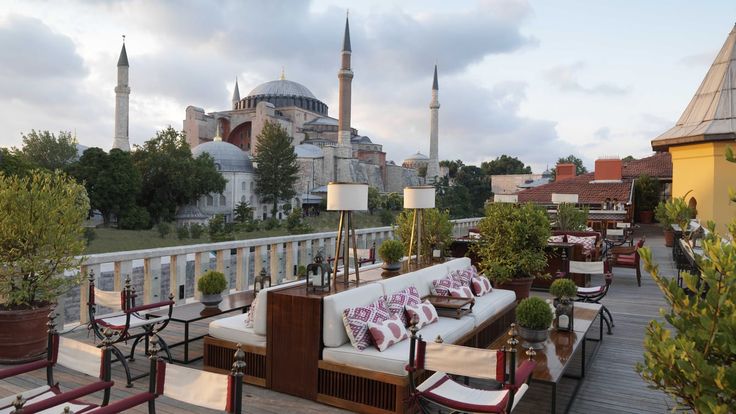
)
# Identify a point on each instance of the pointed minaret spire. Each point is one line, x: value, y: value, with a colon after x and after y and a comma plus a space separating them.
x: 283, y: 74
x: 236, y: 94
x: 433, y: 167
x: 345, y: 75
x: 122, y: 97
x: 217, y: 137
x: 346, y: 38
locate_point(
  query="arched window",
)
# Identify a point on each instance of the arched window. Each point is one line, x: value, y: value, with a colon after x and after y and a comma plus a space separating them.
x: 210, y: 201
x: 242, y: 185
x: 223, y: 201
x: 693, y: 204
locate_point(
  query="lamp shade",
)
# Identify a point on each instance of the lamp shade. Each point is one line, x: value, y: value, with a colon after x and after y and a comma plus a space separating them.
x: 347, y: 196
x: 419, y: 197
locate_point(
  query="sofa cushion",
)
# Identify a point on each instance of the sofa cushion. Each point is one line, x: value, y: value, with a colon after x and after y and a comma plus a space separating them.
x: 423, y: 314
x: 356, y: 321
x: 489, y: 305
x: 480, y: 285
x: 259, y: 318
x: 250, y: 316
x: 397, y: 302
x: 588, y: 242
x: 463, y: 276
x: 401, y: 282
x: 461, y: 292
x: 387, y: 333
x: 394, y: 359
x: 442, y: 286
x: 333, y: 329
x: 560, y: 238
x: 233, y: 329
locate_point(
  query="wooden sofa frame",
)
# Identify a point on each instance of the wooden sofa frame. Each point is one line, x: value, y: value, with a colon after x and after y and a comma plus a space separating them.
x: 219, y: 356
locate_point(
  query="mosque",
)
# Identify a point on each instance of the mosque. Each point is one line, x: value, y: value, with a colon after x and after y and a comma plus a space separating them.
x: 327, y: 149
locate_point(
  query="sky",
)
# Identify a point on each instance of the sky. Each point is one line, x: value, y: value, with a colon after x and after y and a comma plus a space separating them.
x: 537, y: 80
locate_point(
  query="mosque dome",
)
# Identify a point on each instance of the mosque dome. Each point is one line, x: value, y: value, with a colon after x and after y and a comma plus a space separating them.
x: 282, y: 87
x: 228, y: 157
x: 415, y: 161
x: 417, y: 157
x: 308, y: 151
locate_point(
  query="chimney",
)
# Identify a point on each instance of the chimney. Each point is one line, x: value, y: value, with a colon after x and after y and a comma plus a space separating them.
x: 608, y: 169
x: 565, y: 172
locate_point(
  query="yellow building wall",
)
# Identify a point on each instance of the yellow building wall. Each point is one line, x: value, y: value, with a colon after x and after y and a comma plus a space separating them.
x: 702, y: 170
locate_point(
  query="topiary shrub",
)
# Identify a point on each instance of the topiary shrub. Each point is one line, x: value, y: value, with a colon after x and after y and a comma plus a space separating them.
x: 163, y: 229
x: 534, y: 313
x: 196, y: 230
x: 135, y: 218
x: 212, y: 283
x: 391, y: 251
x: 563, y: 289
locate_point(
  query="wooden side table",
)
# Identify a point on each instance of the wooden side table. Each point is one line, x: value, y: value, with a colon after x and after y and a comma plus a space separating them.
x: 451, y: 306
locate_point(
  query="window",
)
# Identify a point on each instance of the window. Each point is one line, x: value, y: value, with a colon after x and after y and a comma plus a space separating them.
x: 242, y: 185
x: 210, y: 201
x: 223, y: 201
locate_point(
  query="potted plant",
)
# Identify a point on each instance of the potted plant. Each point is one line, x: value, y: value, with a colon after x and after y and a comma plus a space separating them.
x: 211, y: 285
x: 533, y: 316
x: 41, y: 243
x: 647, y: 197
x: 391, y: 252
x: 436, y: 230
x: 564, y: 290
x: 673, y: 211
x: 571, y: 218
x: 511, y: 245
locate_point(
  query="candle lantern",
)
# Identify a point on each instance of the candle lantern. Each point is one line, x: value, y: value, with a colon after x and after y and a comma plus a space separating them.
x: 319, y: 274
x: 564, y: 311
x: 263, y: 280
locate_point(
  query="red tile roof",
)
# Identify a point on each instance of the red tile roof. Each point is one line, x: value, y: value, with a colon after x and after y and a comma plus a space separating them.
x: 589, y: 192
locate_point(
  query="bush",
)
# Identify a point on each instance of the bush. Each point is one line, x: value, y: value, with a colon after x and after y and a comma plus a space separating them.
x: 216, y: 226
x: 163, y: 229
x: 570, y: 218
x: 89, y: 234
x: 674, y: 211
x: 272, y: 223
x: 182, y: 232
x: 386, y: 217
x: 212, y: 283
x: 646, y: 192
x: 391, y: 251
x: 196, y: 230
x: 295, y: 224
x: 563, y: 288
x: 135, y: 218
x: 301, y: 271
x: 534, y: 313
x: 436, y: 232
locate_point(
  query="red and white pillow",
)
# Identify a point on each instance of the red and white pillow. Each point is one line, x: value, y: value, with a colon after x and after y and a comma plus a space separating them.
x: 462, y: 276
x: 424, y: 312
x: 440, y: 286
x: 588, y: 243
x: 250, y: 316
x: 399, y: 300
x: 356, y: 322
x: 387, y: 333
x: 480, y: 285
x: 461, y: 292
x: 556, y: 239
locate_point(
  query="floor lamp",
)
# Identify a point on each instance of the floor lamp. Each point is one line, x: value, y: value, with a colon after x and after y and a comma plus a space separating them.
x: 418, y: 198
x: 346, y: 198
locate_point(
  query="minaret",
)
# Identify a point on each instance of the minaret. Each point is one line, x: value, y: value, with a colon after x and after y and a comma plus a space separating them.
x: 122, y: 96
x: 345, y: 75
x: 236, y: 94
x: 433, y: 167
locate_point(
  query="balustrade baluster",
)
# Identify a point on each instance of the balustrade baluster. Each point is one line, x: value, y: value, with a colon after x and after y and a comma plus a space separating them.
x: 151, y: 280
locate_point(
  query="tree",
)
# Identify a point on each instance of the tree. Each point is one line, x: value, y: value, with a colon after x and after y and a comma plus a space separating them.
x: 453, y: 198
x: 13, y: 162
x: 243, y: 212
x: 505, y: 165
x: 422, y: 171
x: 47, y: 151
x: 111, y: 180
x: 374, y: 199
x: 478, y: 186
x: 276, y: 167
x: 452, y: 166
x: 171, y: 177
x: 628, y: 158
x: 570, y: 159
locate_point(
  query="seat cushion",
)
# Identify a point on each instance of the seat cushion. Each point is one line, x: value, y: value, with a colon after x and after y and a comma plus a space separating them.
x: 398, y: 283
x: 488, y: 305
x: 441, y: 389
x: 398, y: 301
x: 394, y: 359
x: 118, y: 322
x: 333, y: 329
x: 233, y: 329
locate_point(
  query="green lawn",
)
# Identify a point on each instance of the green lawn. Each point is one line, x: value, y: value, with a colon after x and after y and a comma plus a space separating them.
x: 113, y: 240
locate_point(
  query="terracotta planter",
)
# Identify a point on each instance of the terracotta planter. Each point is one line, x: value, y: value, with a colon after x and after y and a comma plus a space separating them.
x: 646, y: 216
x: 23, y: 334
x: 521, y: 286
x: 669, y: 238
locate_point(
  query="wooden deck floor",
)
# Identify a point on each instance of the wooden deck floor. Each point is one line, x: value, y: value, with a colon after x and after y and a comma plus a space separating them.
x: 610, y: 386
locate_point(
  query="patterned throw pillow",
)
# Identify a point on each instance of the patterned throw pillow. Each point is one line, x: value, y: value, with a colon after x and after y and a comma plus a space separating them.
x: 356, y: 322
x: 424, y: 312
x: 440, y: 286
x: 461, y: 292
x: 250, y: 316
x: 462, y: 276
x: 481, y: 285
x: 387, y: 333
x: 588, y: 243
x: 398, y: 300
x: 556, y: 239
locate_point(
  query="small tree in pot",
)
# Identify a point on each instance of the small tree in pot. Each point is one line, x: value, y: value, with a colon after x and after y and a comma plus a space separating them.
x: 511, y: 245
x: 647, y: 195
x: 564, y: 290
x: 533, y: 316
x: 436, y: 229
x: 211, y: 285
x: 673, y: 211
x: 391, y: 252
x: 41, y: 238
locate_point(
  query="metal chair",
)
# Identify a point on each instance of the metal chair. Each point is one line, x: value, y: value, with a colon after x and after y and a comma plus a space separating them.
x: 594, y: 294
x: 628, y: 257
x: 127, y: 321
x: 452, y: 360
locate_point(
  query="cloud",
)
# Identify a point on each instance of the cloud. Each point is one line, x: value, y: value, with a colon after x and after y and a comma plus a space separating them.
x: 602, y: 133
x: 565, y: 78
x: 699, y: 59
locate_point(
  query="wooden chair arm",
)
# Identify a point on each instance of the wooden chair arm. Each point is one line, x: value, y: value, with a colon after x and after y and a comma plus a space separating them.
x: 623, y: 250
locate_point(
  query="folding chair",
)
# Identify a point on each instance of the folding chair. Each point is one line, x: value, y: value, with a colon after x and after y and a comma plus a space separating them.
x: 126, y: 320
x: 71, y: 354
x: 594, y: 294
x: 200, y: 388
x: 445, y: 360
x: 628, y: 257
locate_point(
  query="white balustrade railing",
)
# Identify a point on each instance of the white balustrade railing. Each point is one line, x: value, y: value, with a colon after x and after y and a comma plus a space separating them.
x: 163, y: 271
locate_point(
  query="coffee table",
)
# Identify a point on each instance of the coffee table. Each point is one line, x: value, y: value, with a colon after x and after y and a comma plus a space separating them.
x: 451, y: 306
x: 193, y: 312
x: 559, y: 349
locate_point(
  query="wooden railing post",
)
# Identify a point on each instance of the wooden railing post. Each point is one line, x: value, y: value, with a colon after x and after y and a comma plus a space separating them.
x: 289, y: 261
x: 151, y: 280
x: 199, y: 261
x: 274, y: 265
x: 258, y: 259
x: 177, y: 275
x: 242, y: 268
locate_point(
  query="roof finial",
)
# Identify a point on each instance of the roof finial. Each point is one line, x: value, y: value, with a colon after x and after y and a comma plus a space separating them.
x: 283, y: 74
x: 123, y: 39
x: 217, y: 137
